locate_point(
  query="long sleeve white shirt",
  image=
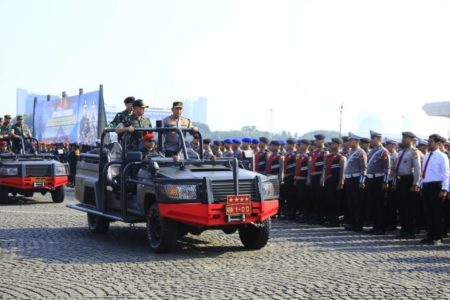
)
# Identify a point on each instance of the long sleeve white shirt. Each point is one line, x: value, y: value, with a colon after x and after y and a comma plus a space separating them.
x: 437, y: 168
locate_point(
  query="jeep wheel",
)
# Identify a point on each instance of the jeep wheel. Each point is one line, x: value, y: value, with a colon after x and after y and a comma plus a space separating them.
x: 97, y: 224
x: 255, y: 237
x: 162, y: 233
x: 58, y: 194
x: 3, y: 195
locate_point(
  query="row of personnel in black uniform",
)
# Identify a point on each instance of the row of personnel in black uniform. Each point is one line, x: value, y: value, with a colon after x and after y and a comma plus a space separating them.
x: 355, y: 181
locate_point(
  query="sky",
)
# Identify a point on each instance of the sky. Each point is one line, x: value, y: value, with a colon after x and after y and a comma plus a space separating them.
x: 280, y: 65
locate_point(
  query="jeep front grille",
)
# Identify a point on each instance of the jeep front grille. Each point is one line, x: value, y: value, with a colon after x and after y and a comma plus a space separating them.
x: 221, y: 189
x: 38, y: 170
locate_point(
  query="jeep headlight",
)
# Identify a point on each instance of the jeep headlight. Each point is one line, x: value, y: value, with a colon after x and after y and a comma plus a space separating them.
x: 61, y: 170
x: 178, y: 192
x: 269, y: 189
x: 9, y: 171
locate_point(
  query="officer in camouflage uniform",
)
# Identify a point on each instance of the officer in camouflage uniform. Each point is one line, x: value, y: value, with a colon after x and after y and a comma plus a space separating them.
x: 355, y: 174
x: 20, y: 129
x: 137, y: 120
x: 406, y: 170
x: 123, y: 116
x: 5, y: 130
x: 378, y: 170
x: 274, y: 167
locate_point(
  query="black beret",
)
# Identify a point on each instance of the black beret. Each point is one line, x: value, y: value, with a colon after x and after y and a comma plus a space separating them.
x: 263, y: 140
x: 290, y: 141
x: 274, y: 143
x: 345, y: 139
x: 129, y: 99
x: 408, y: 134
x: 217, y: 143
x: 319, y: 136
x: 206, y: 141
x: 336, y: 140
x: 303, y: 141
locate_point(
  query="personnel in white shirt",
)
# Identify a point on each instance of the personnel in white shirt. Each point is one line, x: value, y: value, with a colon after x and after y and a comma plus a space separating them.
x: 435, y: 186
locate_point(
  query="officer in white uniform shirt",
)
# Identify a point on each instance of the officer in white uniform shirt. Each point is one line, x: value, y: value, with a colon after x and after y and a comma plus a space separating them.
x: 435, y: 186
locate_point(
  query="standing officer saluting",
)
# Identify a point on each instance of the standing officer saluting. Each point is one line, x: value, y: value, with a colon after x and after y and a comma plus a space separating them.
x: 355, y: 174
x: 172, y: 143
x: 136, y: 120
x: 378, y: 169
x: 406, y: 170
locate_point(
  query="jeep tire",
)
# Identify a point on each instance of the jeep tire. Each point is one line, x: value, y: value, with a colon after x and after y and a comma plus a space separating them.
x: 97, y: 224
x: 162, y: 233
x: 255, y: 237
x: 3, y: 195
x: 58, y: 194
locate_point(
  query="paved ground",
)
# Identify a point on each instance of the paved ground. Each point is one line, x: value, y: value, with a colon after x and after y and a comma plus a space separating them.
x: 47, y: 252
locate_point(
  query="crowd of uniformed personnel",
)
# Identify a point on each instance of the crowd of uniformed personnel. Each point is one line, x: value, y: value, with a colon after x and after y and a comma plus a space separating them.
x: 355, y: 182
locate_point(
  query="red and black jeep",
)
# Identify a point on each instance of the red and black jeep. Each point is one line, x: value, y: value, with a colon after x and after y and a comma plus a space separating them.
x: 26, y: 173
x: 174, y: 197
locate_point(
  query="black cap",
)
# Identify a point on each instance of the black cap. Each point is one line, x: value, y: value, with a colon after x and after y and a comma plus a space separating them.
x: 19, y: 117
x: 345, y: 138
x: 8, y: 117
x: 129, y: 99
x: 290, y: 141
x: 139, y: 103
x: 408, y: 134
x: 177, y: 104
x: 264, y: 140
x: 303, y: 142
x: 337, y: 141
x: 374, y: 134
x: 364, y: 140
x: 319, y: 136
x: 274, y: 143
x: 207, y: 141
x: 217, y: 143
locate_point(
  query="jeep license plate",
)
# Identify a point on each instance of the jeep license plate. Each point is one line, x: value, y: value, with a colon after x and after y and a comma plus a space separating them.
x: 238, y: 205
x: 39, y: 181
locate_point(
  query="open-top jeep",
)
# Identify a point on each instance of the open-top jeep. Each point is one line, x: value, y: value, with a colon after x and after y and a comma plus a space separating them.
x: 25, y: 173
x: 174, y: 197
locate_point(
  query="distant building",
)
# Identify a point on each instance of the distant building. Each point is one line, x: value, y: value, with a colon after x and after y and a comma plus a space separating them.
x: 196, y: 110
x: 25, y: 101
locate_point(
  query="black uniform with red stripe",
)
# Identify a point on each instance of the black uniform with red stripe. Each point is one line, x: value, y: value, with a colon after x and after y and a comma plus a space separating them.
x: 303, y: 199
x: 261, y: 161
x: 317, y: 191
x: 274, y: 167
x: 288, y: 188
x: 333, y: 176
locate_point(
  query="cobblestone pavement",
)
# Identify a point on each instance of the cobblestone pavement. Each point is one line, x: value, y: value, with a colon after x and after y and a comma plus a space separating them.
x: 47, y: 252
